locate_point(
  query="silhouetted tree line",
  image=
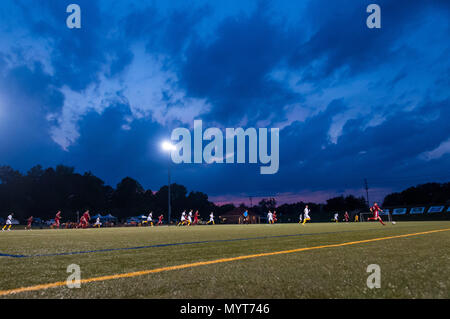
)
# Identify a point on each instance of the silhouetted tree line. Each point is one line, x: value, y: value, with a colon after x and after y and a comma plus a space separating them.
x: 42, y: 192
x: 424, y: 194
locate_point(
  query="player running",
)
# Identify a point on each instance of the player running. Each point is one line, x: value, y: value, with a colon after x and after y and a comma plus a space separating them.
x: 87, y: 217
x: 375, y: 209
x: 211, y: 219
x: 160, y: 219
x: 306, y: 215
x: 29, y: 222
x: 97, y: 224
x: 84, y: 220
x: 150, y: 219
x: 183, y: 221
x: 245, y: 217
x: 8, y: 222
x: 274, y: 216
x: 57, y: 219
x: 270, y: 217
x: 346, y: 217
x: 336, y: 217
x: 190, y: 217
x: 196, y: 215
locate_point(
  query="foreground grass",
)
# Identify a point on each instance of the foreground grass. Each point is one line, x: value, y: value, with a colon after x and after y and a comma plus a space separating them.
x: 412, y: 267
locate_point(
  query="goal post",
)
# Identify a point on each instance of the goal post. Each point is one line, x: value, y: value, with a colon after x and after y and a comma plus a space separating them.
x: 239, y: 219
x: 364, y: 216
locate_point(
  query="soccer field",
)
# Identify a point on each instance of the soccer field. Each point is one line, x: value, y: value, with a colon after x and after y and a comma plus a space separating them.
x: 317, y: 260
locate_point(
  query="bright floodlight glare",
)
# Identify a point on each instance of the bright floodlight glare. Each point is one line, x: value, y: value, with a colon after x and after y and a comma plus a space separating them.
x: 167, y: 146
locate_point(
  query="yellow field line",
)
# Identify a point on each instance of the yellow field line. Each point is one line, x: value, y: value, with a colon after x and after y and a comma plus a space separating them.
x: 204, y: 263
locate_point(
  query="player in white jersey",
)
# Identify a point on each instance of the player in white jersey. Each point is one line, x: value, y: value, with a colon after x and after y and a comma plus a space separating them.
x: 8, y: 222
x: 306, y: 215
x: 336, y: 217
x: 150, y: 219
x: 270, y: 217
x: 190, y: 217
x: 97, y: 222
x: 183, y: 219
x: 211, y: 219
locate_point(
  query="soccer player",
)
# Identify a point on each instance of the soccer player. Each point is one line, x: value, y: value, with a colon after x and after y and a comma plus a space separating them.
x: 57, y: 219
x: 183, y: 214
x: 183, y: 219
x: 336, y: 217
x: 97, y: 223
x: 160, y: 219
x: 196, y: 217
x: 211, y: 219
x: 150, y: 219
x: 245, y: 220
x: 8, y: 222
x: 356, y: 218
x: 190, y: 218
x: 84, y: 220
x: 346, y: 217
x: 306, y: 215
x: 375, y: 209
x: 29, y: 222
x: 270, y: 217
x: 87, y: 217
x: 300, y: 218
x: 274, y: 216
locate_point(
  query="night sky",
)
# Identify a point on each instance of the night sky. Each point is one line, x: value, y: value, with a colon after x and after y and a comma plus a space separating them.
x: 351, y: 102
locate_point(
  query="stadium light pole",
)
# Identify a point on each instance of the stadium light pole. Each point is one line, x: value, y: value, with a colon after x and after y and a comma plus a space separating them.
x: 168, y: 147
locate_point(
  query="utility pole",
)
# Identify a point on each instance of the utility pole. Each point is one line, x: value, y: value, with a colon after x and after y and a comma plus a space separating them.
x: 367, y: 192
x: 168, y: 184
x: 169, y: 147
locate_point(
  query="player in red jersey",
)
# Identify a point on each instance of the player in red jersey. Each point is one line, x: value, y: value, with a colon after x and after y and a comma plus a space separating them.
x: 29, y: 222
x: 274, y: 215
x: 87, y: 218
x: 160, y: 219
x: 57, y: 219
x: 196, y: 218
x: 375, y: 209
x: 346, y: 216
x: 84, y: 220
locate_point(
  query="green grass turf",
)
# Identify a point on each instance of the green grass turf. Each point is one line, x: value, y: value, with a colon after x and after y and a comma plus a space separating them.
x: 412, y: 267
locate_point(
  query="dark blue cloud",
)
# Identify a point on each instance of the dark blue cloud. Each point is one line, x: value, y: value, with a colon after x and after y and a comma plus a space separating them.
x: 78, y: 54
x: 342, y: 39
x: 27, y: 95
x: 390, y: 151
x: 232, y: 71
